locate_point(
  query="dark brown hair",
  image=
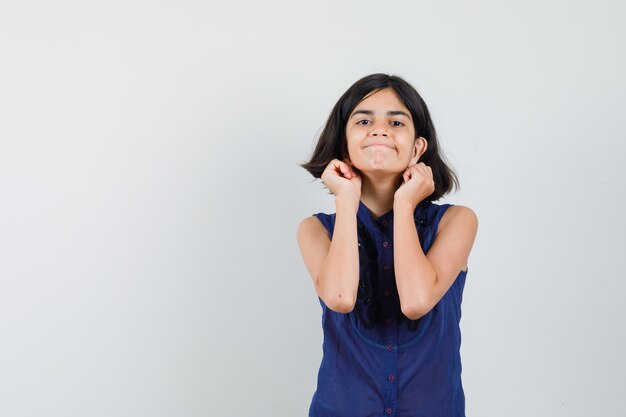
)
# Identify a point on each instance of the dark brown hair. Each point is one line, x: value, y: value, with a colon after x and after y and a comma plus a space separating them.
x: 332, y: 141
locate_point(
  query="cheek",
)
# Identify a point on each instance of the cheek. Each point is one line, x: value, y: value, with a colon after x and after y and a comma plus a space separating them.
x: 351, y: 144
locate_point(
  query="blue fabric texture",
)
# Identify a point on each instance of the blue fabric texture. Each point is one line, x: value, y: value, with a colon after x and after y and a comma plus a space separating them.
x: 376, y: 361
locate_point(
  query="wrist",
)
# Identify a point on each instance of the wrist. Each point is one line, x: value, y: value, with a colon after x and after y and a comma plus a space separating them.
x: 401, y: 206
x: 344, y: 202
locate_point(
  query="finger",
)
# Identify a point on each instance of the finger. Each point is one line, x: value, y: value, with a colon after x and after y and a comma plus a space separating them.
x: 419, y: 172
x: 339, y: 167
x: 351, y: 171
x: 347, y: 163
x: 345, y: 170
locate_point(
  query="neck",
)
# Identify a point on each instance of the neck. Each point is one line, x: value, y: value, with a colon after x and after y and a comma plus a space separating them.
x: 377, y: 192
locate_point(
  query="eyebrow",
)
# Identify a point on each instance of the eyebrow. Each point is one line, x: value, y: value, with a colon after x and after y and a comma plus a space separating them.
x: 389, y: 113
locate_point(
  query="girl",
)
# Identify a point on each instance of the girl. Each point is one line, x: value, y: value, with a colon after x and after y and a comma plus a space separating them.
x: 389, y: 266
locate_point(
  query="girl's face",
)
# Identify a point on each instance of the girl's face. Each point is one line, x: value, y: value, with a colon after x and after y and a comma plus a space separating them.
x: 380, y: 135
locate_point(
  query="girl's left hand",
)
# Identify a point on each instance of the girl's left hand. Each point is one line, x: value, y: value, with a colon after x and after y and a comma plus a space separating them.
x: 417, y: 184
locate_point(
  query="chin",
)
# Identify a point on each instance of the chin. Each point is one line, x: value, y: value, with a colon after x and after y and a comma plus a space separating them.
x: 387, y: 171
x: 379, y: 166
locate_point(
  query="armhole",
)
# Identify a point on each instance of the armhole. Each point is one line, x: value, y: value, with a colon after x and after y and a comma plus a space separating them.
x: 434, y: 226
x: 442, y: 209
x: 326, y: 222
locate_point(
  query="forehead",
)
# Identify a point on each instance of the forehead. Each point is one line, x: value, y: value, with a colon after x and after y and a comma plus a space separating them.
x: 385, y: 99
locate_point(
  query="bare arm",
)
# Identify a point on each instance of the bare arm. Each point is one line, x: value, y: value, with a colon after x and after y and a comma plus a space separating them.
x: 422, y: 280
x: 333, y: 265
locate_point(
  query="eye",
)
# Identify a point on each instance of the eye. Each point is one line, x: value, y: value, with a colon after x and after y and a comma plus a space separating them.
x: 364, y: 120
x: 399, y: 123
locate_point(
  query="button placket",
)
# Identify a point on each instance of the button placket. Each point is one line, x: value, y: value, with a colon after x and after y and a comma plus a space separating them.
x: 391, y: 358
x: 389, y: 373
x: 391, y: 390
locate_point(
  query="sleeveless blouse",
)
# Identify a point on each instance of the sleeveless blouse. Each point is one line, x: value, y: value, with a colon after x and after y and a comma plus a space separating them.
x: 376, y: 361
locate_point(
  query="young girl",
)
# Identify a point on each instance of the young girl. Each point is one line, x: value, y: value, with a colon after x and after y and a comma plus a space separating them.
x: 389, y: 266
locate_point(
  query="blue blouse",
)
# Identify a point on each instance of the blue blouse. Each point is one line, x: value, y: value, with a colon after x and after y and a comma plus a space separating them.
x: 376, y: 361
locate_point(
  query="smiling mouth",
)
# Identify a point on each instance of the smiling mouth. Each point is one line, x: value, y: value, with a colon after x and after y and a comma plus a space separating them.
x: 379, y: 146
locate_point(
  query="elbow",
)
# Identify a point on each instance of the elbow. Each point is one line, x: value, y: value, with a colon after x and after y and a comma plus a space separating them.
x: 414, y: 310
x: 340, y: 302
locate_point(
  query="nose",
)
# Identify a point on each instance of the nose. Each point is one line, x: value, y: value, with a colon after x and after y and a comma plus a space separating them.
x: 379, y: 129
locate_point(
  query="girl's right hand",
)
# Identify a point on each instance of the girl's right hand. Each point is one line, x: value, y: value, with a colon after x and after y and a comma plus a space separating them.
x: 341, y: 178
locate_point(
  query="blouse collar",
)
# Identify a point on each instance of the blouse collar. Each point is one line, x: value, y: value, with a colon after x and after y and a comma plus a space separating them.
x: 365, y: 215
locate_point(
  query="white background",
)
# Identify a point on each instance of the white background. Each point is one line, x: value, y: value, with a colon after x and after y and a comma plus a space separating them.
x: 150, y: 194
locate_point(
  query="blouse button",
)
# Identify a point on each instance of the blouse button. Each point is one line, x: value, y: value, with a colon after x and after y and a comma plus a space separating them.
x: 385, y: 244
x: 388, y: 410
x: 391, y: 377
x: 389, y: 321
x: 386, y: 267
x: 385, y: 222
x: 389, y: 347
x: 387, y: 293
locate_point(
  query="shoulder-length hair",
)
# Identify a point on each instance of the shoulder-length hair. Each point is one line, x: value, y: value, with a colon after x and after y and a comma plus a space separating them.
x: 332, y: 141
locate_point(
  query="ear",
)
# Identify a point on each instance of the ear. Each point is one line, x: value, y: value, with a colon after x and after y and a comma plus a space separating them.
x: 420, y: 147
